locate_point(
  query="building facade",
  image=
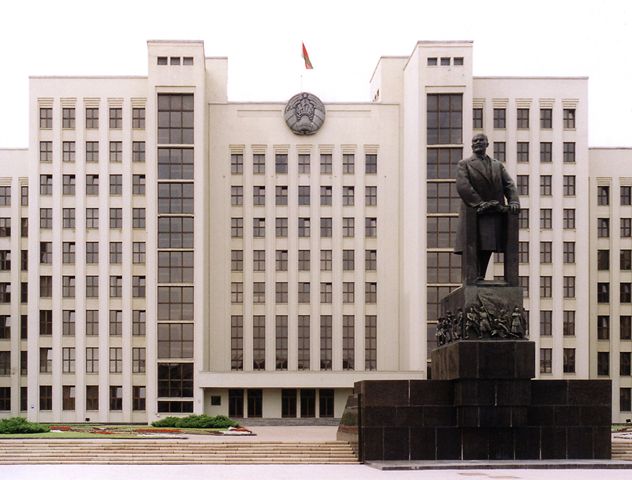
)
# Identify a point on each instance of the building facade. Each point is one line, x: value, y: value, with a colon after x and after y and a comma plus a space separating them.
x: 182, y: 253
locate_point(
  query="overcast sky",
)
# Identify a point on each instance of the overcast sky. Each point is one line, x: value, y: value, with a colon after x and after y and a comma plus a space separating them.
x: 345, y: 39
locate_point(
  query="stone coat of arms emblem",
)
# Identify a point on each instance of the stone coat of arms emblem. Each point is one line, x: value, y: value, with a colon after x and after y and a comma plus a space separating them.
x: 304, y: 114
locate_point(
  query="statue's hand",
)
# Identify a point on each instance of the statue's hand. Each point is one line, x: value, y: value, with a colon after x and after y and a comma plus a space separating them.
x: 485, y: 206
x: 514, y: 208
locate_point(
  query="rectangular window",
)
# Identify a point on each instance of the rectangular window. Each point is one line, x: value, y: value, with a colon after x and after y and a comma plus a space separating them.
x: 46, y: 360
x: 116, y: 117
x: 325, y: 227
x: 546, y: 359
x: 624, y: 364
x: 116, y: 152
x: 281, y: 195
x: 545, y: 287
x: 46, y: 152
x: 370, y: 342
x: 522, y: 152
x: 568, y: 218
x: 68, y: 360
x: 304, y: 160
x: 546, y: 152
x: 138, y: 152
x: 625, y: 292
x: 348, y: 227
x: 138, y: 360
x: 522, y: 118
x: 303, y: 195
x: 625, y: 399
x: 138, y: 252
x: 370, y: 163
x: 138, y: 322
x: 546, y: 185
x: 68, y: 152
x: 281, y: 339
x: 304, y: 260
x: 603, y: 195
x: 92, y: 218
x: 568, y: 185
x: 280, y: 227
x: 237, y: 164
x: 46, y: 396
x: 116, y: 218
x: 625, y: 260
x: 348, y: 196
x: 603, y: 259
x: 92, y: 397
x: 138, y: 184
x: 280, y: 293
x: 370, y: 196
x: 603, y: 227
x: 370, y: 227
x: 92, y: 322
x: 116, y: 360
x: 603, y: 363
x: 568, y: 252
x: 626, y: 195
x: 477, y: 118
x: 348, y: 163
x: 92, y: 118
x: 500, y: 151
x: 67, y: 118
x: 546, y: 218
x: 325, y: 195
x: 568, y: 287
x: 46, y: 117
x: 236, y: 342
x: 258, y: 164
x: 280, y: 163
x: 499, y: 117
x: 569, y: 323
x: 24, y: 196
x: 68, y: 218
x: 444, y: 119
x: 569, y: 152
x: 68, y: 323
x: 546, y: 118
x: 569, y: 360
x: 546, y: 323
x: 258, y: 342
x: 569, y: 118
x: 348, y: 342
x: 139, y: 398
x: 281, y: 260
x: 546, y: 251
x: 603, y: 292
x: 626, y: 227
x: 325, y: 260
x: 303, y: 292
x: 304, y: 229
x: 68, y: 286
x: 326, y: 292
x: 325, y: 342
x: 138, y: 118
x: 348, y: 260
x: 625, y: 327
x: 92, y: 152
x: 116, y: 398
x: 138, y: 218
x: 522, y: 184
x: 303, y: 342
x: 325, y: 163
x: 348, y: 292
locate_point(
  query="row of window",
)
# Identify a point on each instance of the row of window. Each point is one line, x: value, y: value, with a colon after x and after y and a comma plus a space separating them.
x: 174, y: 60
x: 68, y: 360
x: 68, y: 283
x: 523, y: 152
x: 69, y: 151
x: 304, y: 292
x: 5, y: 196
x: 303, y: 163
x: 603, y: 292
x: 69, y: 183
x: 92, y: 218
x: 546, y: 218
x: 444, y: 61
x: 546, y: 253
x: 303, y: 342
x: 603, y: 227
x: 546, y: 286
x: 139, y: 397
x: 523, y: 118
x: 603, y: 364
x: 625, y: 327
x: 68, y: 117
x: 546, y: 185
x: 625, y: 259
x: 250, y: 401
x: 603, y: 195
x: 68, y: 323
x: 304, y: 260
x: 92, y: 253
x: 304, y: 227
x: 304, y: 198
x: 546, y: 360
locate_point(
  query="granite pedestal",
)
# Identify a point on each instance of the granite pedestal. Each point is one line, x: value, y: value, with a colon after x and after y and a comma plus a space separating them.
x: 482, y: 404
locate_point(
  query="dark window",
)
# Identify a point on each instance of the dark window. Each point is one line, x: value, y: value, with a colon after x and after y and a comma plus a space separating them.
x: 603, y: 292
x: 569, y: 152
x: 625, y: 399
x: 370, y: 165
x: 325, y: 163
x: 569, y: 360
x: 546, y: 118
x: 237, y: 342
x: 175, y: 119
x: 568, y: 185
x: 546, y: 322
x: 546, y: 218
x: 626, y: 227
x: 626, y: 195
x: 500, y: 151
x: 280, y: 162
x: 326, y: 402
x: 281, y: 339
x: 603, y: 259
x: 325, y: 342
x: 523, y: 218
x: 546, y: 152
x: 625, y: 260
x: 569, y: 323
x: 67, y: 118
x: 477, y: 118
x: 444, y: 119
x: 370, y: 342
x: 138, y: 118
x: 569, y: 118
x: 624, y: 364
x: 46, y: 117
x: 546, y: 252
x: 236, y: 163
x: 603, y: 195
x: 522, y: 152
x: 236, y: 403
x: 92, y: 152
x: 603, y: 363
x: 255, y: 403
x: 45, y: 397
x: 625, y: 292
x: 568, y: 252
x: 288, y: 403
x: 116, y: 117
x: 625, y: 327
x: 522, y: 119
x: 545, y: 287
x: 603, y: 227
x: 546, y: 360
x: 308, y: 403
x: 258, y: 342
x: 546, y: 185
x: 500, y: 117
x: 116, y: 397
x: 175, y: 380
x: 139, y: 397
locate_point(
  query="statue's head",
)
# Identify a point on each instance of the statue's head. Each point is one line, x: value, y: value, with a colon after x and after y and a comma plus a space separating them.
x: 480, y: 143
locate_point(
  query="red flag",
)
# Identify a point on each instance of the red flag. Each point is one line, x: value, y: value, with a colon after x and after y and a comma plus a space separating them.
x: 308, y: 64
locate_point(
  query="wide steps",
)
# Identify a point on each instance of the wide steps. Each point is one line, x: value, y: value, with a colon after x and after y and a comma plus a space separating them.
x: 141, y: 452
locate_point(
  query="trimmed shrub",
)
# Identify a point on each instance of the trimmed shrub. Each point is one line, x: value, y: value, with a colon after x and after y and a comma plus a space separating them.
x: 21, y: 425
x: 196, y: 421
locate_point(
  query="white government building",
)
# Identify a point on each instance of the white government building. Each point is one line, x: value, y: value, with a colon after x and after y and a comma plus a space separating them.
x: 164, y: 250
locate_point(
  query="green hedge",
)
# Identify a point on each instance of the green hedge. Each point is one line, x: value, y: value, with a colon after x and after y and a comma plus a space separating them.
x: 196, y: 421
x: 21, y: 425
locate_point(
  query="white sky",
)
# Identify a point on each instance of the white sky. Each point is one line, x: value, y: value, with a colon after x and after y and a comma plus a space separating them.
x: 345, y: 39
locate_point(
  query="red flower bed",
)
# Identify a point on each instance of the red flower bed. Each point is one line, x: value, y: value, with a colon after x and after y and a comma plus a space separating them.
x: 158, y: 430
x: 61, y: 428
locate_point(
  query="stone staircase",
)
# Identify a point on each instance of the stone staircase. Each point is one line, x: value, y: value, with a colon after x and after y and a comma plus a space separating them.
x: 155, y: 452
x: 621, y: 449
